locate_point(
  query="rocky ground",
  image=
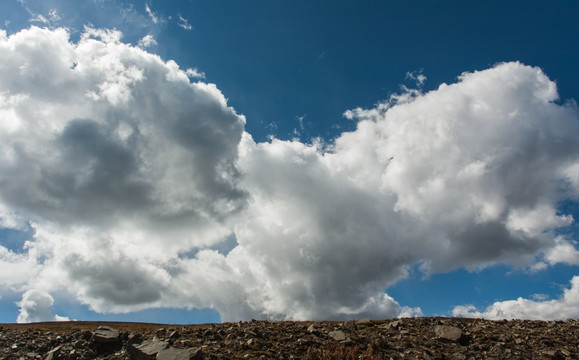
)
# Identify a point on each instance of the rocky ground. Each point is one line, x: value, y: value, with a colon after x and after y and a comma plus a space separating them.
x: 418, y: 338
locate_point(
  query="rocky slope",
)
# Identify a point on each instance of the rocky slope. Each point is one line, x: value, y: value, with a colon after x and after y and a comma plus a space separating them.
x: 418, y: 338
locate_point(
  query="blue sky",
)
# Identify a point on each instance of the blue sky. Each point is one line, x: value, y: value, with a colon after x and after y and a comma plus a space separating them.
x: 326, y: 167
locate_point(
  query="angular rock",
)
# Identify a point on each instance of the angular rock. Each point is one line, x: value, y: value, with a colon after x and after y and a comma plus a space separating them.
x: 394, y: 324
x: 349, y: 325
x: 86, y: 335
x: 337, y: 335
x: 364, y: 321
x: 451, y: 333
x: 554, y: 354
x: 105, y: 334
x: 53, y: 354
x: 565, y: 352
x: 180, y: 354
x: 146, y: 350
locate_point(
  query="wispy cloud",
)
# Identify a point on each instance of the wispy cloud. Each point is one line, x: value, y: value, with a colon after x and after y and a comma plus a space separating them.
x: 195, y: 74
x: 416, y: 76
x: 50, y: 19
x: 53, y: 16
x: 151, y: 14
x: 184, y: 23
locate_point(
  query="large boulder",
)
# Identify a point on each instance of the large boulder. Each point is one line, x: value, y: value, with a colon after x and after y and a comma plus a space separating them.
x: 105, y: 340
x: 105, y: 335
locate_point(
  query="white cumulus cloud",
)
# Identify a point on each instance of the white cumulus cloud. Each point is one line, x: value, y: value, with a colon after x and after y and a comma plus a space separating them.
x: 433, y: 177
x: 566, y: 307
x: 147, y: 41
x: 564, y: 252
x: 36, y: 306
x: 110, y: 150
x: 144, y: 191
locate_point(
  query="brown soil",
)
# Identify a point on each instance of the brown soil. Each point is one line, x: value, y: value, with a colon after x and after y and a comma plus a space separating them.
x: 418, y: 338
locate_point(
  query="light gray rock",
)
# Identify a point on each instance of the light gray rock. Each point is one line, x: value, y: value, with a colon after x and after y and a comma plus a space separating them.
x: 146, y: 350
x: 451, y: 333
x: 394, y: 324
x: 337, y: 335
x: 53, y: 354
x: 180, y: 354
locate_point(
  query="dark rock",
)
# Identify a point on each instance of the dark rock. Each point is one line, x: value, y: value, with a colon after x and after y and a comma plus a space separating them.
x: 180, y: 354
x: 565, y: 352
x: 86, y: 335
x: 349, y: 325
x: 134, y: 338
x: 146, y: 350
x: 105, y: 334
x: 554, y: 354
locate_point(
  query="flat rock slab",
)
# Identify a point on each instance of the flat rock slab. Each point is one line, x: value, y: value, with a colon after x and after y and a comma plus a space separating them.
x: 451, y: 333
x: 180, y: 354
x: 105, y: 334
x: 147, y: 349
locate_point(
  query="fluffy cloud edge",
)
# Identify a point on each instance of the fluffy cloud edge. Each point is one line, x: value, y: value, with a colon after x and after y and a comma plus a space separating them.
x: 565, y: 307
x: 35, y: 306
